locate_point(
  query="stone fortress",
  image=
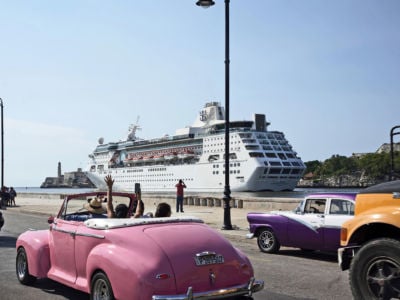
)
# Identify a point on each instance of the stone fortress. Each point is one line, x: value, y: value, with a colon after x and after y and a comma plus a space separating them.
x: 77, y: 179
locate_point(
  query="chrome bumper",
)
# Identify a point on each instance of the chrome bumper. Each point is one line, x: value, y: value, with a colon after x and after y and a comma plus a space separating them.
x: 253, y: 286
x: 249, y: 235
x: 345, y: 255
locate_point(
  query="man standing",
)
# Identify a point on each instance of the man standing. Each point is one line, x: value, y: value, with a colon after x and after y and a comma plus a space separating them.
x: 179, y: 195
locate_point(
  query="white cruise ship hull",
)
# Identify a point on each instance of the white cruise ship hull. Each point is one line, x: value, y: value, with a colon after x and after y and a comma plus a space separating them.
x: 260, y: 160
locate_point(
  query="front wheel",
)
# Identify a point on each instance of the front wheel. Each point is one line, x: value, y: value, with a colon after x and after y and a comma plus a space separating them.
x: 267, y: 241
x: 21, y: 266
x: 375, y: 270
x: 100, y: 288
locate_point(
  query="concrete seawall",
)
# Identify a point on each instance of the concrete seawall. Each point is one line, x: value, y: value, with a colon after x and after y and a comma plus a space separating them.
x: 209, y: 209
x: 248, y: 203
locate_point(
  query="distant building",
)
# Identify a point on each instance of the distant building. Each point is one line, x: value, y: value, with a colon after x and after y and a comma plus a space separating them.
x: 77, y: 179
x: 385, y: 148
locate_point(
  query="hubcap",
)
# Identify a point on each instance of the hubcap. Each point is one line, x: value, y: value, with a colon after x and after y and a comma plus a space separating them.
x: 267, y: 239
x: 383, y: 277
x: 21, y: 265
x: 101, y: 291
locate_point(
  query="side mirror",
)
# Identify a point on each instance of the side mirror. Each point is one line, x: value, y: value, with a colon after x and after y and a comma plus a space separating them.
x: 50, y: 220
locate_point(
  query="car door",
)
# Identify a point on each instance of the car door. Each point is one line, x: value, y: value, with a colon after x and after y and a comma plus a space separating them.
x: 62, y: 250
x: 340, y: 210
x: 306, y: 229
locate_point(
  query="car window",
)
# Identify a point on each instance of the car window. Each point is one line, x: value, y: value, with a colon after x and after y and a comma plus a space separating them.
x: 341, y: 207
x: 315, y: 206
x: 77, y: 207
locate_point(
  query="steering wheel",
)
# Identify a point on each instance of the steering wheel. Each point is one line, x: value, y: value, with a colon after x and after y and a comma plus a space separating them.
x: 314, y: 210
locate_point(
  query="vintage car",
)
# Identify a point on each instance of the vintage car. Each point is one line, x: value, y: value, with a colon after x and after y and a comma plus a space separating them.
x: 142, y: 258
x: 314, y: 225
x: 371, y: 243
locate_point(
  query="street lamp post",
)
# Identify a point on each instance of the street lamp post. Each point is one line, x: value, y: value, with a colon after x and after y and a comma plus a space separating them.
x: 227, y: 191
x: 2, y: 145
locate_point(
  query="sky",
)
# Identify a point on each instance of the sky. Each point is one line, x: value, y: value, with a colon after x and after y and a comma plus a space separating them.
x: 326, y: 73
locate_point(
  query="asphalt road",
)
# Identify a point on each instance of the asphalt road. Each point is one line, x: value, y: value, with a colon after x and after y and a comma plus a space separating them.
x: 289, y: 275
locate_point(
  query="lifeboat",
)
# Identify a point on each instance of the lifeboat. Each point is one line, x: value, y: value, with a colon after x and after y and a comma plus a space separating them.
x: 185, y: 154
x: 170, y: 156
x: 158, y: 157
x: 148, y: 158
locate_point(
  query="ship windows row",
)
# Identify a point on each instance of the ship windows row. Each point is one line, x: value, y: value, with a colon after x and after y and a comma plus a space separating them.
x: 280, y: 155
x: 283, y: 171
x: 154, y: 179
x: 230, y: 172
x: 270, y: 148
x: 272, y: 136
x: 284, y: 163
x: 230, y: 165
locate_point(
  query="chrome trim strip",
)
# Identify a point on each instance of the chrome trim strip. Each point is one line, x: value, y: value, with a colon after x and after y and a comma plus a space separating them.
x: 63, y: 231
x: 205, y: 253
x: 240, y: 290
x: 73, y: 233
x: 97, y: 236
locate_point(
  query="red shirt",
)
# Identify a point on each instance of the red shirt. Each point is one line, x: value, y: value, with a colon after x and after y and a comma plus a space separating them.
x: 179, y: 189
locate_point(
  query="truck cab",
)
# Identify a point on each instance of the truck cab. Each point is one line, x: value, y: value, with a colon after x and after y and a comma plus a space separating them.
x: 370, y: 243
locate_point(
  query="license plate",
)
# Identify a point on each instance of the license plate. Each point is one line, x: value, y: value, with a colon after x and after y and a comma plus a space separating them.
x: 209, y: 260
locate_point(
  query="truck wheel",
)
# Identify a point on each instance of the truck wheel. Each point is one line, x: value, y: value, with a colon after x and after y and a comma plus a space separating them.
x: 21, y: 266
x: 267, y: 241
x: 375, y: 270
x: 100, y: 288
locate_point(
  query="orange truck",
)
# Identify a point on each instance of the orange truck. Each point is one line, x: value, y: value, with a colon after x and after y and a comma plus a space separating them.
x: 370, y: 243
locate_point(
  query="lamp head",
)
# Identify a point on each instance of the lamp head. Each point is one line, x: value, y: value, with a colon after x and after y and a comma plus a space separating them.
x: 205, y: 3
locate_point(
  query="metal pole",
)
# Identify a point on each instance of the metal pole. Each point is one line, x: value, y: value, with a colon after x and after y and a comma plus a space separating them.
x: 392, y: 133
x: 2, y: 145
x: 227, y: 190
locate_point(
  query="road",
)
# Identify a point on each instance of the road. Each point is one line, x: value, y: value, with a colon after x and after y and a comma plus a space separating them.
x: 289, y: 275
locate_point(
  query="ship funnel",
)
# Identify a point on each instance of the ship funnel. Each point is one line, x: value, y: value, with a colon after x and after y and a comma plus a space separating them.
x: 260, y: 123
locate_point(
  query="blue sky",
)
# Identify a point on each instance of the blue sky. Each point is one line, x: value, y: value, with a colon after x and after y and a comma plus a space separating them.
x: 326, y: 73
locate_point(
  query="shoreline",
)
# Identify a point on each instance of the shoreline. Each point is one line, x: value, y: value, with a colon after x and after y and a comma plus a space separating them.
x: 202, y: 200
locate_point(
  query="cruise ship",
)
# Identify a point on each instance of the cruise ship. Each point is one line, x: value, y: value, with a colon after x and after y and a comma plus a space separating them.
x: 259, y: 160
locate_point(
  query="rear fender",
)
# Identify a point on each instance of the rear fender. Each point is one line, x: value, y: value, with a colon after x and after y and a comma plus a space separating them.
x: 130, y: 272
x: 36, y: 245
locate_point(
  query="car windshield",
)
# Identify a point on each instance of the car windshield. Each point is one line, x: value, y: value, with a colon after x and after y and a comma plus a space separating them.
x: 298, y: 207
x: 81, y: 206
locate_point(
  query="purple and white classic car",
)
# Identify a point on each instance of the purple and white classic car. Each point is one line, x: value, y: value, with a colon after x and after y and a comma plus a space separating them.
x: 145, y: 258
x: 313, y: 225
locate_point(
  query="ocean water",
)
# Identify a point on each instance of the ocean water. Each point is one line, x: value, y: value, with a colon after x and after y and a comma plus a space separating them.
x: 38, y: 190
x: 297, y: 193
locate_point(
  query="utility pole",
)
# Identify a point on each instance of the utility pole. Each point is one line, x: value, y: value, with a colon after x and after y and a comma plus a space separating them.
x: 2, y: 145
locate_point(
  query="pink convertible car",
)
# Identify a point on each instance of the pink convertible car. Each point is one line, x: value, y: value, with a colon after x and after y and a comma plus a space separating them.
x: 148, y: 258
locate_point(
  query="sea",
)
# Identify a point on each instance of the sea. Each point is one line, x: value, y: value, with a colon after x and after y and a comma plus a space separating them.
x: 296, y: 193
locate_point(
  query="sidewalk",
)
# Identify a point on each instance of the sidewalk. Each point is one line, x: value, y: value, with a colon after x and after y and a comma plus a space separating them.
x: 212, y: 216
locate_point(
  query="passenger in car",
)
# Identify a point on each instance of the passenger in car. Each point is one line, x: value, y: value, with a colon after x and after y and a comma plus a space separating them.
x: 121, y: 210
x: 96, y: 208
x: 163, y: 210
